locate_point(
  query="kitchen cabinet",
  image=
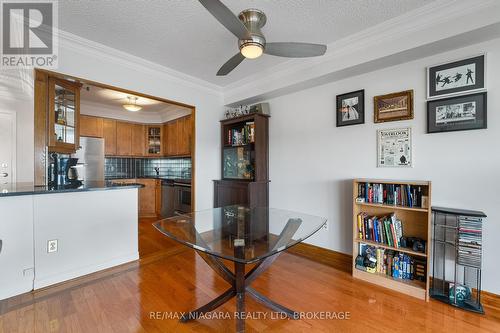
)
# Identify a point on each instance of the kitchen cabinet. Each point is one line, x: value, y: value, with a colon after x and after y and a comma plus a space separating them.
x: 109, y: 135
x: 138, y: 139
x: 154, y: 136
x: 63, y: 115
x: 158, y: 197
x: 131, y: 139
x: 178, y: 137
x: 171, y: 138
x: 184, y: 136
x: 123, y: 138
x: 91, y: 126
x: 147, y: 198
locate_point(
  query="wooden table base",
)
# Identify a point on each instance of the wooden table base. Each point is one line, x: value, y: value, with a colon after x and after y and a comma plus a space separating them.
x: 240, y: 287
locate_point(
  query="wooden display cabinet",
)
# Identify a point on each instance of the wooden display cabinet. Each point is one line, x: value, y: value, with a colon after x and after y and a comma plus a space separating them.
x: 245, y: 162
x: 63, y: 115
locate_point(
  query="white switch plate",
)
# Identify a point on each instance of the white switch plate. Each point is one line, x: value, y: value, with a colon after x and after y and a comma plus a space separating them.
x: 52, y: 246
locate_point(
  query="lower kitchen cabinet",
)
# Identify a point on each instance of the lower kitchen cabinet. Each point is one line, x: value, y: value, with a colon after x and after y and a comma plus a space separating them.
x: 149, y: 195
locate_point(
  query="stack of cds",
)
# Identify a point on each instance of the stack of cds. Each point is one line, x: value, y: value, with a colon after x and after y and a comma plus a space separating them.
x: 469, y: 241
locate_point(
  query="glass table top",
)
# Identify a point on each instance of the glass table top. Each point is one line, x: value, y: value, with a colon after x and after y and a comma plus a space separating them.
x: 239, y: 233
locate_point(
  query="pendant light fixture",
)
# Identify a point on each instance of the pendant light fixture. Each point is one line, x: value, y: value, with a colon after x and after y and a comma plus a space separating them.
x: 132, y: 104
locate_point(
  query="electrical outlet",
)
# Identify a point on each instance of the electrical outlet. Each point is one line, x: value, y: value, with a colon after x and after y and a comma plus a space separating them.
x: 52, y: 246
x: 325, y: 226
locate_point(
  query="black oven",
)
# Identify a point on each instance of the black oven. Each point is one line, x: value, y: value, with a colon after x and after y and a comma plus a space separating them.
x: 182, y: 197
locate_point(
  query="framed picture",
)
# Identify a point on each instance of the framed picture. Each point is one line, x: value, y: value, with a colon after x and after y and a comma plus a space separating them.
x: 351, y: 108
x: 458, y: 77
x: 392, y: 107
x: 458, y: 113
x: 394, y: 148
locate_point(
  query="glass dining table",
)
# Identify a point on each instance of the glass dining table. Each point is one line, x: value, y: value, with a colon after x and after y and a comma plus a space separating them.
x: 243, y: 236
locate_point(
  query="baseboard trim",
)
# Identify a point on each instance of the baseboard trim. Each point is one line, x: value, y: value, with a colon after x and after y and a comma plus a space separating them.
x: 82, y: 271
x: 337, y: 260
x: 343, y: 262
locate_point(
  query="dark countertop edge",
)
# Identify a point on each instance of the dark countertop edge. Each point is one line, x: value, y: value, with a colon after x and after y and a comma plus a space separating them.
x: 70, y: 190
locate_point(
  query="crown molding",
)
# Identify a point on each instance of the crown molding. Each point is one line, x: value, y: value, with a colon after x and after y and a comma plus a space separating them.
x: 91, y: 48
x: 370, y: 44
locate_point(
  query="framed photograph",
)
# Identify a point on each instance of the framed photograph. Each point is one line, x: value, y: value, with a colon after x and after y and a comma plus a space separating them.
x: 394, y: 148
x: 351, y: 108
x: 458, y: 113
x: 458, y: 77
x: 392, y: 107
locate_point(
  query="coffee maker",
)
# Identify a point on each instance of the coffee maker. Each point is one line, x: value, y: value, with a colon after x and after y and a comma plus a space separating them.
x: 61, y: 171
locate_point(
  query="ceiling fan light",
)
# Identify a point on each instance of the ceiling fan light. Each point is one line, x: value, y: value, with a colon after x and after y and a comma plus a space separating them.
x: 132, y: 106
x: 251, y: 50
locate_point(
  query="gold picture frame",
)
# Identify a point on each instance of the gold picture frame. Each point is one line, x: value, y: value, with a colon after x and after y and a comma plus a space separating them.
x: 393, y: 107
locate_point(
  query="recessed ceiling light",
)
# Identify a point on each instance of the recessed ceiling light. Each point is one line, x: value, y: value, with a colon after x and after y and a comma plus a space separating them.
x: 132, y: 104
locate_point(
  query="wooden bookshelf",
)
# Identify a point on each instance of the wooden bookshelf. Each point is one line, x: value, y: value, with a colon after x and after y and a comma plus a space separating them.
x: 416, y: 222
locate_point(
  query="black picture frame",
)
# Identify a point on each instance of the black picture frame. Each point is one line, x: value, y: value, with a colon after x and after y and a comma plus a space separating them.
x: 359, y: 108
x: 458, y: 120
x: 456, y: 75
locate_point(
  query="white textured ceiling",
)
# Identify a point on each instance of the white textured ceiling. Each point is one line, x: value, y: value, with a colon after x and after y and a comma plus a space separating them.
x: 182, y: 35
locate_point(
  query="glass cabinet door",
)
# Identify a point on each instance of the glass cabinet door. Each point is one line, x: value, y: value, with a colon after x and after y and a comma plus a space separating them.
x: 64, y: 100
x: 153, y: 140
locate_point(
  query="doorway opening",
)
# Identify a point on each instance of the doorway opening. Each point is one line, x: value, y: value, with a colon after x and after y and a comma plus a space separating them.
x: 145, y: 139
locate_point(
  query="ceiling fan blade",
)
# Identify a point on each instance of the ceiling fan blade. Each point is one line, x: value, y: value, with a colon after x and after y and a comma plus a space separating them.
x: 226, y: 17
x: 230, y: 64
x: 295, y: 50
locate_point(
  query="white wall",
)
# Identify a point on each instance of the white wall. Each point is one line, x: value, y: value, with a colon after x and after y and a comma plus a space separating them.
x: 87, y: 60
x: 312, y: 162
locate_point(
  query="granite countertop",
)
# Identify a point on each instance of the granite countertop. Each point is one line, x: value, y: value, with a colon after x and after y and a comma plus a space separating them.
x: 16, y: 189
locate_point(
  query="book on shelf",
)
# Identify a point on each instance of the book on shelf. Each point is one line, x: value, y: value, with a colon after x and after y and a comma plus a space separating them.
x: 391, y: 194
x: 385, y: 230
x: 397, y: 265
x: 241, y: 136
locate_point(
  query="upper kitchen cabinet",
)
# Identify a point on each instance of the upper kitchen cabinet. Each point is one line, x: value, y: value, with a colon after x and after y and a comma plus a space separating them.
x: 109, y: 135
x: 178, y: 138
x: 154, y: 136
x: 123, y: 138
x: 63, y: 115
x: 138, y: 138
x: 91, y: 126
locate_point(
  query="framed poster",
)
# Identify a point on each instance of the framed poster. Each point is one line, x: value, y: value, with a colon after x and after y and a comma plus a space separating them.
x: 457, y: 77
x: 394, y: 148
x: 351, y: 108
x: 392, y: 107
x: 458, y: 113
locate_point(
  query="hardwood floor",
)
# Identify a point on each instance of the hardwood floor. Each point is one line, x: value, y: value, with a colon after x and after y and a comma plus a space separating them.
x: 171, y: 278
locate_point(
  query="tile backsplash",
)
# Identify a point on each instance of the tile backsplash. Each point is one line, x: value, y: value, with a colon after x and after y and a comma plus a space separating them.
x: 117, y: 167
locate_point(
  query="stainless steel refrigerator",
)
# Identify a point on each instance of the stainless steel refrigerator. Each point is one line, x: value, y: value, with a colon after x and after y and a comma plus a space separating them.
x: 90, y: 156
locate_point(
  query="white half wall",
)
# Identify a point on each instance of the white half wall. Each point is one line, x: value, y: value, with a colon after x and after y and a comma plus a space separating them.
x: 312, y: 162
x: 89, y: 240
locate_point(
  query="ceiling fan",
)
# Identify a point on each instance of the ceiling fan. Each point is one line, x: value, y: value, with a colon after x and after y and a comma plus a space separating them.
x: 251, y: 41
